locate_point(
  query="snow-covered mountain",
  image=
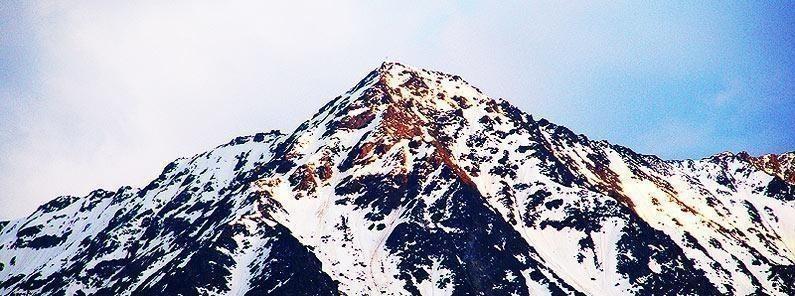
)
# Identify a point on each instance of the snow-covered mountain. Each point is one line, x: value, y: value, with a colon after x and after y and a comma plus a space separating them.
x: 415, y: 182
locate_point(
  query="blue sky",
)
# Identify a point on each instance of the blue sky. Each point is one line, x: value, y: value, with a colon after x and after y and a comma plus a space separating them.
x: 100, y: 94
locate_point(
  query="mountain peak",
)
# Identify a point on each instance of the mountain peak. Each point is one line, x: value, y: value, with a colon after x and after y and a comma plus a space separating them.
x: 395, y: 82
x: 390, y: 65
x: 414, y: 182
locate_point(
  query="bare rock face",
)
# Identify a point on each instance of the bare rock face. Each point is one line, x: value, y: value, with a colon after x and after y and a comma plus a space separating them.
x: 782, y: 166
x: 415, y: 182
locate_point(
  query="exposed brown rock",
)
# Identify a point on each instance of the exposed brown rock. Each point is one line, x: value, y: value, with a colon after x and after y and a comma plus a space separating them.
x: 401, y: 124
x: 442, y: 156
x: 303, y: 180
x: 324, y: 170
x: 782, y: 165
x: 357, y: 121
x: 611, y: 185
x: 416, y: 85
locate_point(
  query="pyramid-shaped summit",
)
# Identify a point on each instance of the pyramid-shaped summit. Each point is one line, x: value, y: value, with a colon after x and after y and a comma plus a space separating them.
x: 415, y: 182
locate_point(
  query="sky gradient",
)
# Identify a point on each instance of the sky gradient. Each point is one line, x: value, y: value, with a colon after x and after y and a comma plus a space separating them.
x: 101, y: 94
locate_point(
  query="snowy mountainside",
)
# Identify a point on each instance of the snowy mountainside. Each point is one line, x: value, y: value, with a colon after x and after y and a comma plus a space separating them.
x: 415, y: 182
